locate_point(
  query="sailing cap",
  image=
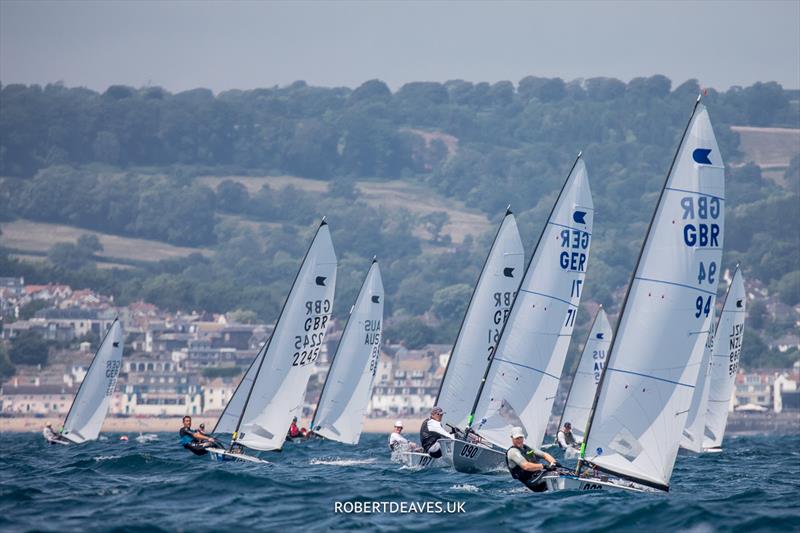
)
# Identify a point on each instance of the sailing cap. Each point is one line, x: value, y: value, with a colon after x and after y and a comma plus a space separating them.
x: 437, y: 411
x: 517, y: 432
x: 398, y: 424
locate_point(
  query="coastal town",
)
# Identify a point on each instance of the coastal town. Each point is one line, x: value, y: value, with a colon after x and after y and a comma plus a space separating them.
x: 178, y: 363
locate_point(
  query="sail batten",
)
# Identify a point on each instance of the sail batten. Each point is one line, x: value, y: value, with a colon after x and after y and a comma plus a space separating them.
x: 644, y: 397
x: 90, y: 406
x: 525, y: 370
x: 345, y: 395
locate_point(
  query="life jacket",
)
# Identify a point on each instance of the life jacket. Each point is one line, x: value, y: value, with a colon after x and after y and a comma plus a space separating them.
x: 569, y: 438
x: 517, y: 472
x: 427, y: 437
x: 186, y: 436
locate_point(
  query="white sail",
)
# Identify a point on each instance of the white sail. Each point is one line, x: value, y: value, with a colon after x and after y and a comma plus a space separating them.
x: 348, y: 386
x: 590, y: 367
x: 90, y: 406
x: 725, y: 361
x: 285, y: 368
x: 226, y: 423
x: 526, y: 368
x: 692, y: 438
x: 653, y: 363
x: 480, y: 329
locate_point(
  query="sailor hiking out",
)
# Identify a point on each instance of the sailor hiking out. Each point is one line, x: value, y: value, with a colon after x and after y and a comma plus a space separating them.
x: 398, y: 442
x: 193, y: 440
x: 431, y: 431
x: 523, y: 469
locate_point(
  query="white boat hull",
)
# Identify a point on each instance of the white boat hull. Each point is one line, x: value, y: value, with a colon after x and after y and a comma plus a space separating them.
x: 418, y: 460
x: 472, y: 458
x: 562, y: 482
x: 218, y: 454
x: 59, y: 440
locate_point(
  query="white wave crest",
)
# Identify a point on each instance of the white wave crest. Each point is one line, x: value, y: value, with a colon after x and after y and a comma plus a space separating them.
x: 338, y: 461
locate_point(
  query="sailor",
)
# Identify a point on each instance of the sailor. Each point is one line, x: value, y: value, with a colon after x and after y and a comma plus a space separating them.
x: 294, y: 431
x: 565, y: 437
x: 193, y: 440
x: 398, y: 442
x: 202, y: 429
x: 50, y: 434
x: 431, y: 431
x: 519, y: 462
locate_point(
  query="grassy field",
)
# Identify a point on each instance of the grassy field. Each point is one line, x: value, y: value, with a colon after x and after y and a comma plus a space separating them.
x: 394, y: 194
x: 769, y: 148
x: 38, y: 237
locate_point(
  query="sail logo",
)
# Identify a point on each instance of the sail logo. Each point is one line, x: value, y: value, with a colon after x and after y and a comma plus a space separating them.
x: 600, y: 336
x: 376, y: 299
x: 579, y: 217
x: 321, y: 280
x: 700, y: 156
x: 508, y: 272
x: 739, y: 304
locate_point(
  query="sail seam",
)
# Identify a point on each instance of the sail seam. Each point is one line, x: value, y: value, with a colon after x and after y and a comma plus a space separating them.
x: 525, y: 366
x: 570, y: 227
x: 651, y: 377
x: 549, y: 296
x: 695, y: 192
x: 676, y: 284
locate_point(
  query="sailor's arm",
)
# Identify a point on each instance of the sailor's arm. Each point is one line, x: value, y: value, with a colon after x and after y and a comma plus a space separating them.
x: 544, y: 455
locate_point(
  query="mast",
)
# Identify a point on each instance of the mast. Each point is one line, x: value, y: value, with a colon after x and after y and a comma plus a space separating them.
x: 338, y: 347
x: 469, y: 304
x: 516, y: 295
x: 269, y: 341
x: 241, y: 381
x: 91, y: 365
x: 625, y: 304
x: 578, y: 366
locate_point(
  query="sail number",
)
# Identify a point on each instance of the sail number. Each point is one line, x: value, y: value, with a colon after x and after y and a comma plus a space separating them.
x: 701, y: 234
x: 112, y: 371
x: 703, y: 306
x: 469, y: 451
x: 502, y: 302
x: 707, y: 274
x: 309, y: 344
x: 576, y: 240
x: 735, y: 346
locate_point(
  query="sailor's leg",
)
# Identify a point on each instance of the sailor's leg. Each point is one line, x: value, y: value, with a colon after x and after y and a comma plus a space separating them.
x: 435, y: 451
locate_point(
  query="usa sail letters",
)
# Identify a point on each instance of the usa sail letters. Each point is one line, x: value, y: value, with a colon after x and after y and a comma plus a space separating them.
x: 308, y: 345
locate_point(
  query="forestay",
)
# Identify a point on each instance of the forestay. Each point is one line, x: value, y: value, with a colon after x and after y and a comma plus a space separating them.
x: 348, y: 387
x: 525, y: 370
x: 653, y: 363
x: 90, y: 406
x: 725, y: 361
x: 282, y: 375
x: 481, y: 325
x: 692, y: 438
x: 590, y: 368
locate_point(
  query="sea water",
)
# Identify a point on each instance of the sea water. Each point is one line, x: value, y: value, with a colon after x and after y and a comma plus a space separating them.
x: 754, y: 485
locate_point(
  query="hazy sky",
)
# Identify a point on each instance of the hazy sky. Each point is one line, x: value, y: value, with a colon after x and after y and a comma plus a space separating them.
x: 239, y: 44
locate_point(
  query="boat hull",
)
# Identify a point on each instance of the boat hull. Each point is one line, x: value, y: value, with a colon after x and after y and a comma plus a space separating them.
x: 220, y: 455
x: 567, y: 482
x: 418, y: 460
x: 471, y: 458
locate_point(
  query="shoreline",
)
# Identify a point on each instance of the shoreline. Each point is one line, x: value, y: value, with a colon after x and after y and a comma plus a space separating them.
x: 167, y: 424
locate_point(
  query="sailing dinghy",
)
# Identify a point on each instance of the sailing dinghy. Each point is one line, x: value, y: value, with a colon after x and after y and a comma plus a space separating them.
x: 643, y: 399
x: 272, y: 390
x: 692, y: 438
x: 348, y: 387
x: 724, y: 363
x: 524, y: 370
x: 486, y: 312
x: 91, y: 403
x: 587, y: 375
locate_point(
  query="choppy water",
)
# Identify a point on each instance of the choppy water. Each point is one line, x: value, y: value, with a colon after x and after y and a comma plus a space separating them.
x: 112, y: 485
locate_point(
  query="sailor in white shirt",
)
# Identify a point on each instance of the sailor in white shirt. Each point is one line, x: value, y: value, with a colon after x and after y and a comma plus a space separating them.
x: 431, y: 431
x: 565, y: 437
x: 397, y: 442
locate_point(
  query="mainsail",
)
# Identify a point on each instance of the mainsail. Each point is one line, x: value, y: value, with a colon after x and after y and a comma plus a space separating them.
x: 725, y: 361
x: 481, y: 325
x: 692, y: 438
x: 348, y: 386
x: 644, y: 396
x: 90, y: 406
x: 590, y: 368
x: 226, y: 423
x: 525, y: 370
x: 283, y: 370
